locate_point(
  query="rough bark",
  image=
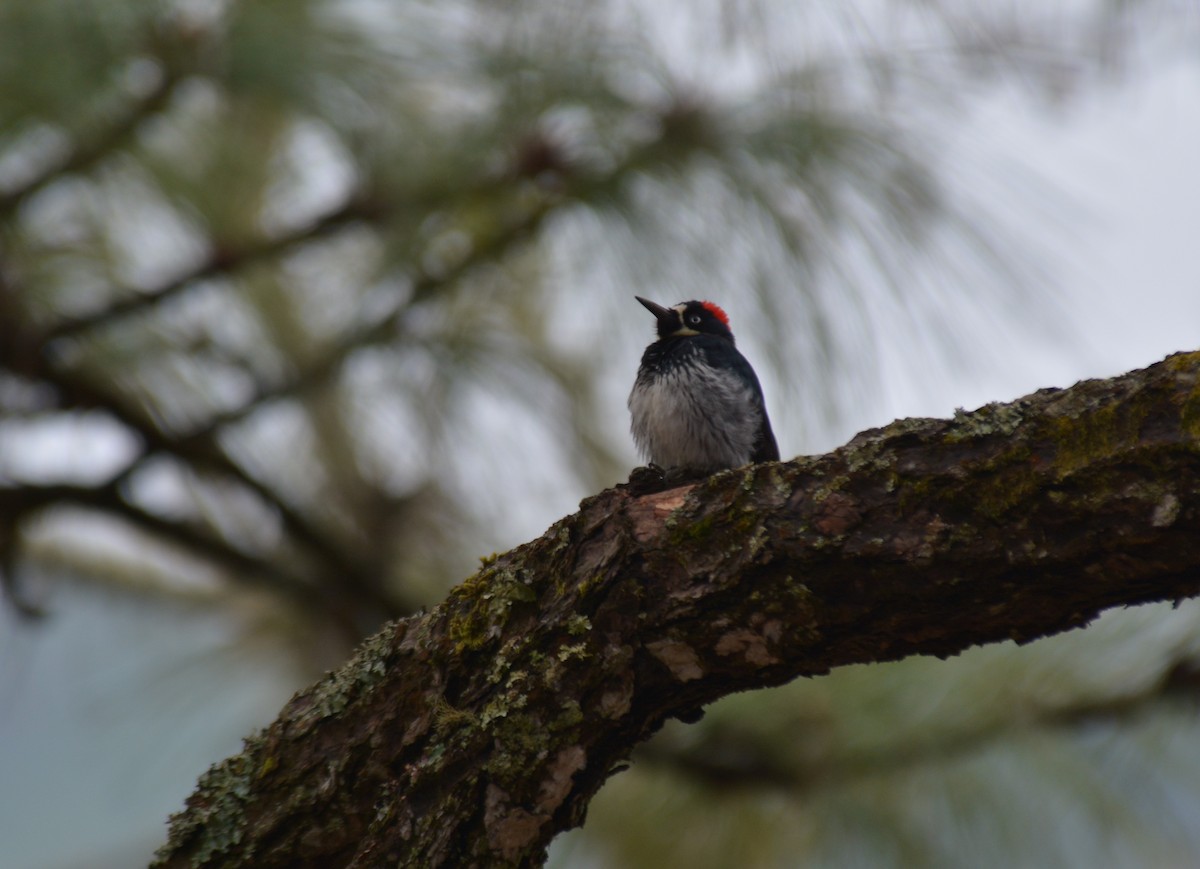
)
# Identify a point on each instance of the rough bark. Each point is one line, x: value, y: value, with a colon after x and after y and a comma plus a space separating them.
x: 470, y: 735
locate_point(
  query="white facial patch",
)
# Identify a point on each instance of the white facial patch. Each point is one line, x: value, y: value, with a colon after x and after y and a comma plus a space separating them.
x: 683, y: 330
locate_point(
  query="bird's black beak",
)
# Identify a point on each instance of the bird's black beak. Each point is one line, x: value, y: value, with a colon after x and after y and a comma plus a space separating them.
x: 668, y: 318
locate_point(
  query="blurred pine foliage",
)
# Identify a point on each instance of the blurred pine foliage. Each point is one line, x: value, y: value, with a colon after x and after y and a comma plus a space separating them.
x: 323, y: 299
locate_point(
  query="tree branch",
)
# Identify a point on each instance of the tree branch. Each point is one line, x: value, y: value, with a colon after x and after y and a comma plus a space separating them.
x: 324, y: 368
x: 204, y: 457
x: 88, y: 153
x: 16, y: 503
x: 723, y: 761
x: 220, y: 262
x: 470, y: 735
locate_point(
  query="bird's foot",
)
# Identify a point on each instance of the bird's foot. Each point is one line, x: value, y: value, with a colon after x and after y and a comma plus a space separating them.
x: 647, y: 480
x: 652, y: 479
x: 683, y: 476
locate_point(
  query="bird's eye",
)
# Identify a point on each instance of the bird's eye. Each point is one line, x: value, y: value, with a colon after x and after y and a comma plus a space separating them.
x: 694, y: 319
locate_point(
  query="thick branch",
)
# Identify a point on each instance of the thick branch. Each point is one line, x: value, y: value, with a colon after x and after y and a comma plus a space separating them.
x: 471, y: 735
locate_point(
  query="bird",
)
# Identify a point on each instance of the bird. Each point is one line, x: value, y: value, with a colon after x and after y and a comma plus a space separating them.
x: 696, y: 406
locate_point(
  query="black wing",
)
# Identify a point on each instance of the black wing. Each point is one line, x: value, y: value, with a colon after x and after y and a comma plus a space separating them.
x: 722, y: 353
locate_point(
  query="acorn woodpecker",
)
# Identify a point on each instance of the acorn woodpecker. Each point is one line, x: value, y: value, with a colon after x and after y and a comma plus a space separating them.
x: 696, y: 405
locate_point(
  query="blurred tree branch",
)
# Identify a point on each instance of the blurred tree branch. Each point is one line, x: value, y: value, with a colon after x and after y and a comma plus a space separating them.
x: 221, y: 262
x: 518, y: 203
x: 200, y: 153
x: 86, y: 153
x: 725, y: 758
x: 76, y: 390
x: 26, y: 502
x: 472, y: 734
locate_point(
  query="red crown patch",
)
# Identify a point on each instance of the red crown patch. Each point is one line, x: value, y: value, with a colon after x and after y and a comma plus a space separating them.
x: 716, y: 311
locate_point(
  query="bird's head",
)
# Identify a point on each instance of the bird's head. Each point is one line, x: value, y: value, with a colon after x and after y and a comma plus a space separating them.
x: 689, y: 318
